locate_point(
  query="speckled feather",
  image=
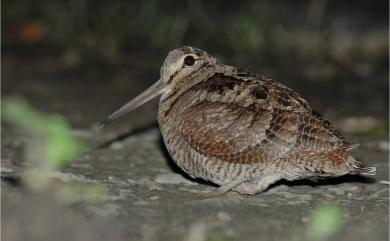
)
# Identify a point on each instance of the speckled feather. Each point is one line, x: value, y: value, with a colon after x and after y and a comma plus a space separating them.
x: 242, y: 130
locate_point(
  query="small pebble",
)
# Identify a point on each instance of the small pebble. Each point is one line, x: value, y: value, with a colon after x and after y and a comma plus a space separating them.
x: 197, y: 232
x: 224, y: 217
x: 154, y: 198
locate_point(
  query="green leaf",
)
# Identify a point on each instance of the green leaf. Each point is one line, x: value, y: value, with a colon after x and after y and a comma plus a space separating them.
x: 325, y: 221
x: 53, y: 143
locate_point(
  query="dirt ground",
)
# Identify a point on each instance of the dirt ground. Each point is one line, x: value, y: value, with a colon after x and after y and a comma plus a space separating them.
x: 146, y: 196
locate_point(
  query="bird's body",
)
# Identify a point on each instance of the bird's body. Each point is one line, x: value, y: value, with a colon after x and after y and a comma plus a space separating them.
x: 241, y: 130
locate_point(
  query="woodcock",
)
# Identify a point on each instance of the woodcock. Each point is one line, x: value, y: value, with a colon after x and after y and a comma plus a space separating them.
x: 241, y: 130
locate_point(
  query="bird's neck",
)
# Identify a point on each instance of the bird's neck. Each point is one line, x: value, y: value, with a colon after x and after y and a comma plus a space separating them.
x: 171, y: 97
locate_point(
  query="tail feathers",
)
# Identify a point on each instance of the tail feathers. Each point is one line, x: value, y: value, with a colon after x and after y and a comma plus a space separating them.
x: 368, y: 171
x: 360, y: 168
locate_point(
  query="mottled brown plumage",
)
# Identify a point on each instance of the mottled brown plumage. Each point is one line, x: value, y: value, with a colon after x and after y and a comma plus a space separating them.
x: 241, y: 130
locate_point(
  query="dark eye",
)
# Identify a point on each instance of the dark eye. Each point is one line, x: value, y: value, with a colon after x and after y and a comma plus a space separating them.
x: 189, y: 60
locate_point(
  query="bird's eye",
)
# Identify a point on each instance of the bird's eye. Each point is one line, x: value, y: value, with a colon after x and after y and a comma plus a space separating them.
x: 189, y: 60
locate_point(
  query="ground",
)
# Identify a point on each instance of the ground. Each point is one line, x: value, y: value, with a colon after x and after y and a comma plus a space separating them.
x: 146, y: 197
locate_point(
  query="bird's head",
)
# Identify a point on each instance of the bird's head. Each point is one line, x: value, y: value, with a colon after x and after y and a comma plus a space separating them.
x: 182, y: 68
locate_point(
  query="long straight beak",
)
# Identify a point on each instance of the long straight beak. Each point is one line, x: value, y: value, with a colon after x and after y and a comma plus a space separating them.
x: 152, y: 92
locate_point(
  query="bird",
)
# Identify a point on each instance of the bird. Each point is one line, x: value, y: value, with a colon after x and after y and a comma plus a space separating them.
x: 240, y: 130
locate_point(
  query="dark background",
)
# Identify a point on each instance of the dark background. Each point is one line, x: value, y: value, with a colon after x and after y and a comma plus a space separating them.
x: 85, y: 58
